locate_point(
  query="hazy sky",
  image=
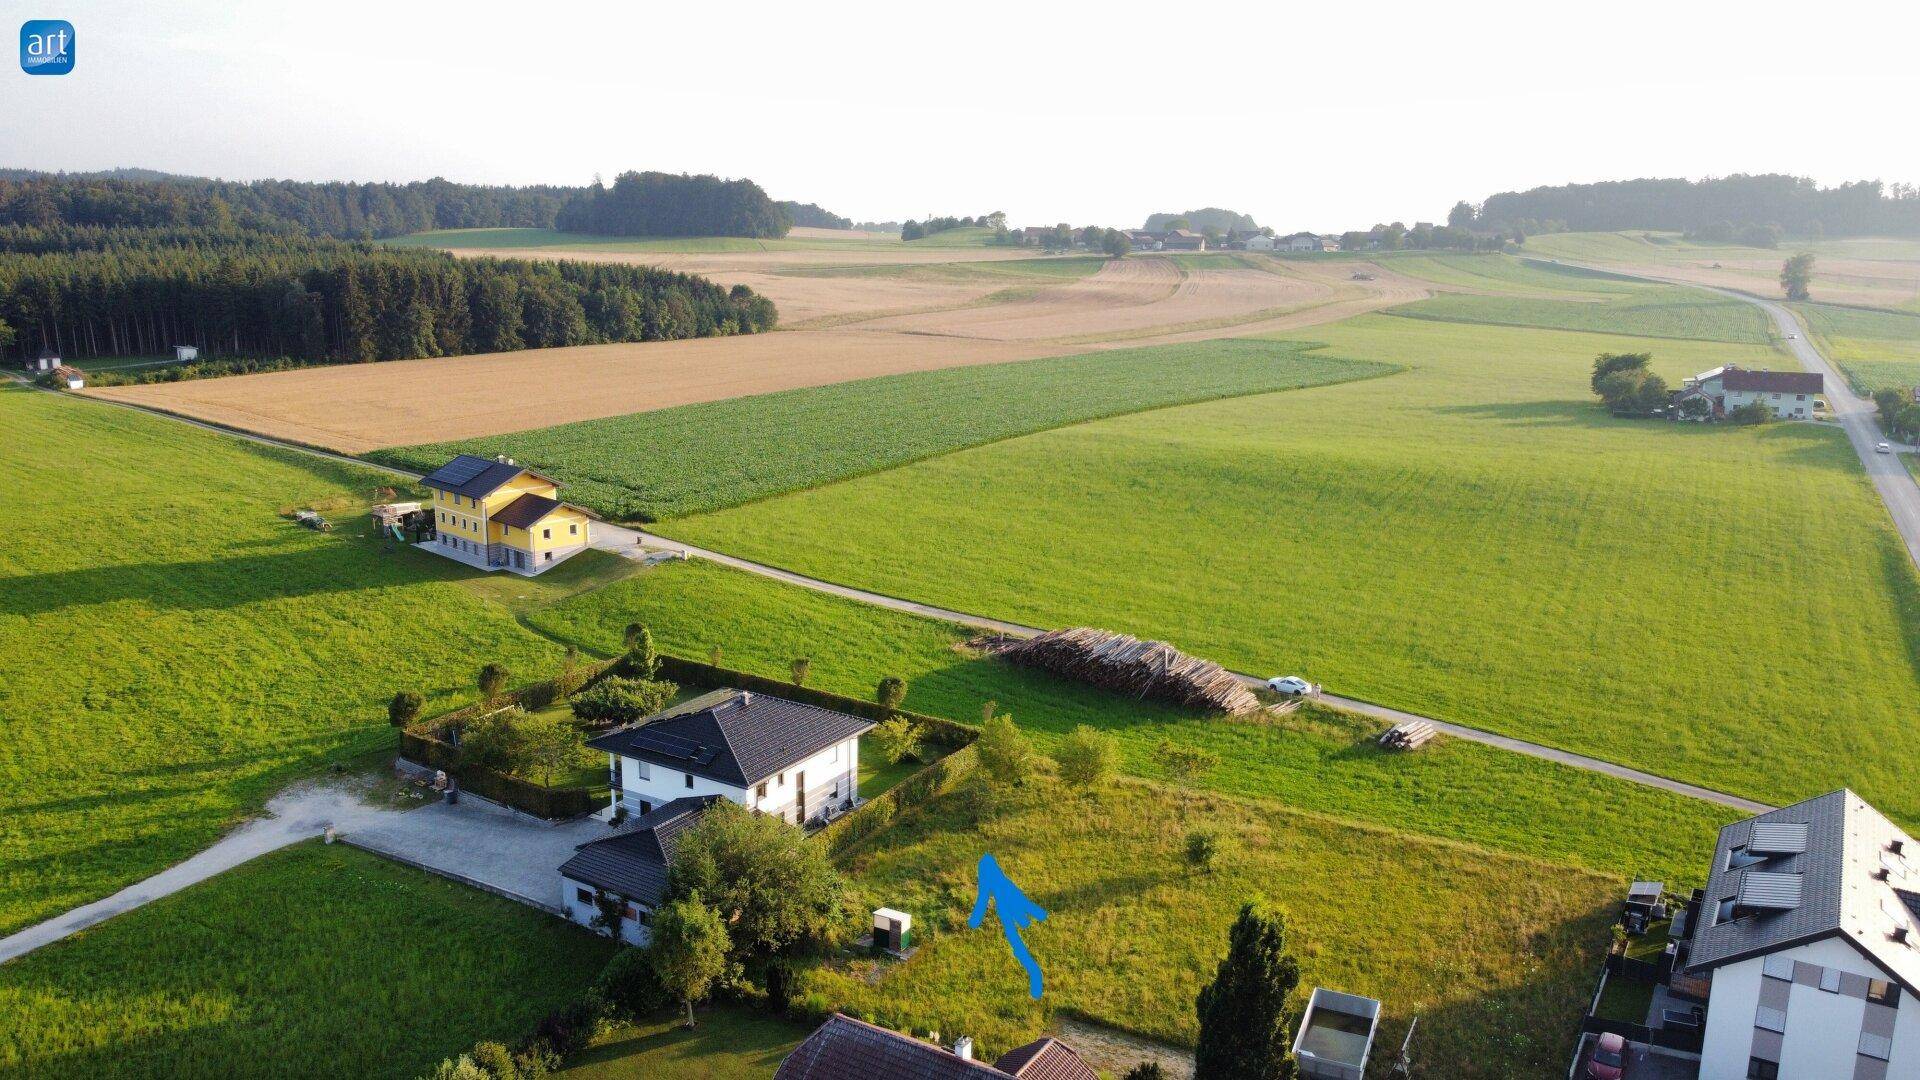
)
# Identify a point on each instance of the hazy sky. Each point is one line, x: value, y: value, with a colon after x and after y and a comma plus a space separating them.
x: 1330, y: 116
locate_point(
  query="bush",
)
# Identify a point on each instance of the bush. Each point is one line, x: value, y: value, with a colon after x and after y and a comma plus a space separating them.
x: 1753, y: 412
x: 896, y: 740
x: 1206, y: 848
x: 1087, y: 757
x: 629, y: 986
x: 1146, y: 1070
x: 1005, y: 754
x: 492, y: 740
x: 405, y: 708
x: 622, y: 701
x: 492, y: 681
x: 890, y: 692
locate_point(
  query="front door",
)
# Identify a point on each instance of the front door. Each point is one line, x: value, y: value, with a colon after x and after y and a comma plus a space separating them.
x: 800, y: 796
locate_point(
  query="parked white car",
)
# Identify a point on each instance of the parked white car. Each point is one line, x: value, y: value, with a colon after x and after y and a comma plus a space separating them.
x: 1291, y: 685
x: 1882, y: 448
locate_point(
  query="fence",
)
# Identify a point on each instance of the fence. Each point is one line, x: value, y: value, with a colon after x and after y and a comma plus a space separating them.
x: 544, y: 802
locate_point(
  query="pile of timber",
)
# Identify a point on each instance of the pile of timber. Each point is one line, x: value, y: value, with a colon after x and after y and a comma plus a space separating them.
x: 1119, y: 662
x: 1408, y: 735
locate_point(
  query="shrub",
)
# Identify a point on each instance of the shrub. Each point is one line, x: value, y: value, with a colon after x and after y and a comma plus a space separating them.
x: 896, y: 740
x: 1206, y: 848
x: 460, y: 1068
x: 495, y: 1060
x: 629, y: 986
x: 622, y: 701
x: 1087, y: 757
x: 1753, y: 412
x: 642, y: 658
x: 569, y: 677
x: 1005, y: 754
x: 492, y: 681
x: 405, y: 708
x: 492, y: 740
x: 890, y: 692
x: 1146, y: 1070
x: 800, y: 667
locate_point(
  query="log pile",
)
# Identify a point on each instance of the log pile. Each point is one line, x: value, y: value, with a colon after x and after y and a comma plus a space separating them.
x: 1128, y: 665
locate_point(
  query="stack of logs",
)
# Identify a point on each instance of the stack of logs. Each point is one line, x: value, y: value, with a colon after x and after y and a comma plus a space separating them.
x: 1119, y: 662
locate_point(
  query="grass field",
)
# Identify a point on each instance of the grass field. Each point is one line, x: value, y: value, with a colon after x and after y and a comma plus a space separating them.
x: 729, y: 1044
x: 1509, y: 275
x: 317, y: 961
x: 173, y: 650
x: 673, y: 462
x: 1654, y: 311
x: 1876, y: 349
x: 1472, y: 538
x: 1314, y: 761
x: 1495, y: 954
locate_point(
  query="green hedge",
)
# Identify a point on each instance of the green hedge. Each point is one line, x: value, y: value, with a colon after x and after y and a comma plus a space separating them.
x: 917, y: 790
x: 935, y: 729
x: 543, y: 802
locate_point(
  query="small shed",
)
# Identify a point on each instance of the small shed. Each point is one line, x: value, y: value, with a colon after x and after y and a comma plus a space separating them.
x: 184, y: 353
x: 46, y: 361
x: 892, y: 930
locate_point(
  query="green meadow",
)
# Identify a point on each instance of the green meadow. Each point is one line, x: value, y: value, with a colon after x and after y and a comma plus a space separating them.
x: 1472, y: 538
x: 1510, y: 275
x: 1877, y: 349
x: 173, y: 649
x: 317, y: 960
x: 1495, y: 954
x: 1659, y: 311
x: 678, y: 461
x: 1314, y: 761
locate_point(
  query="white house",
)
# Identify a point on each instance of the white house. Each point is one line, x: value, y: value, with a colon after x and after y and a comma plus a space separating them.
x: 1260, y: 243
x: 1306, y: 241
x: 1806, y: 933
x: 1788, y: 394
x: 770, y: 755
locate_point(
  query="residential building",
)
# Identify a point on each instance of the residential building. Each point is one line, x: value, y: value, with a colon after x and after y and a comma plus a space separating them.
x: 1306, y: 241
x: 1805, y: 937
x: 1183, y: 240
x: 1259, y: 243
x: 847, y: 1049
x: 1788, y: 395
x: 1143, y: 240
x: 495, y: 514
x: 770, y: 755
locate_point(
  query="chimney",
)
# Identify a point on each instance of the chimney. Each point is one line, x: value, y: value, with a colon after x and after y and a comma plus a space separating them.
x: 1894, y: 846
x: 963, y: 1048
x: 746, y: 697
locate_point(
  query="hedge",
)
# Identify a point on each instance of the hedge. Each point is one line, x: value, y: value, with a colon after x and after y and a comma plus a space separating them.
x: 937, y: 729
x: 878, y: 812
x: 543, y: 802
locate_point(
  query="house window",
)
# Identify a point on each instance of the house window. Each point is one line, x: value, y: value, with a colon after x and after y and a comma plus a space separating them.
x: 1762, y: 1069
x: 780, y: 780
x: 546, y: 534
x: 630, y: 912
x: 1878, y: 1047
x: 585, y: 896
x: 614, y: 780
x: 835, y: 755
x: 689, y: 779
x: 573, y: 530
x: 644, y: 770
x: 1799, y: 397
x: 549, y: 557
x: 645, y: 918
x: 1725, y: 913
x: 1770, y: 1019
x: 760, y: 792
x: 1882, y: 992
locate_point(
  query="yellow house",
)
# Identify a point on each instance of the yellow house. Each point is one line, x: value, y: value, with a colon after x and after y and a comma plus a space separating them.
x: 498, y: 515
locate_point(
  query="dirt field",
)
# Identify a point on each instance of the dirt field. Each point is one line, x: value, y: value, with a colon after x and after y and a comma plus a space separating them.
x: 872, y: 314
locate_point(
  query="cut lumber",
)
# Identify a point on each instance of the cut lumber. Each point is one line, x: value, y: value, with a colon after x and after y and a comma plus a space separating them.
x: 1126, y: 664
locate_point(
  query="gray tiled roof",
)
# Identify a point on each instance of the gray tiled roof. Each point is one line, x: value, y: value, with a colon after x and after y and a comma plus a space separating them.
x: 633, y: 862
x: 474, y: 477
x: 734, y: 737
x: 847, y: 1049
x: 1772, y: 382
x: 525, y: 511
x: 1849, y: 883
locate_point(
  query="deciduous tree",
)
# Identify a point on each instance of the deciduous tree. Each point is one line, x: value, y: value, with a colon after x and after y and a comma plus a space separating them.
x: 1796, y: 276
x: 689, y: 949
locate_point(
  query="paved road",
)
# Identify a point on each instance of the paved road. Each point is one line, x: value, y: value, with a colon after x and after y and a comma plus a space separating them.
x: 297, y: 814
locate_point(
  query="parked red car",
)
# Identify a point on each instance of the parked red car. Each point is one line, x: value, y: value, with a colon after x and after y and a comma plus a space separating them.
x: 1609, y: 1060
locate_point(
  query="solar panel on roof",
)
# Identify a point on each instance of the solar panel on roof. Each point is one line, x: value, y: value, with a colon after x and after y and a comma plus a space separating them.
x: 1778, y: 838
x: 672, y: 746
x: 1761, y: 889
x: 460, y: 470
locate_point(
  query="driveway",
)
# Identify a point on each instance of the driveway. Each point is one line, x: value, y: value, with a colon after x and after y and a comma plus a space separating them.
x: 488, y: 846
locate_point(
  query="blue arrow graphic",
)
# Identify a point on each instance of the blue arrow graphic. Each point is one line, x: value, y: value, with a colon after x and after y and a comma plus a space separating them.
x: 1016, y: 911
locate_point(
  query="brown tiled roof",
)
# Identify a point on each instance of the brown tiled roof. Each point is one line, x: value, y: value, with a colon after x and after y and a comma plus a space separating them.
x: 847, y: 1049
x: 1771, y: 382
x: 1045, y: 1059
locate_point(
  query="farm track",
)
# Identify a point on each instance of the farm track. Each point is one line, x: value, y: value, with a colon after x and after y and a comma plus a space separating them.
x: 627, y: 543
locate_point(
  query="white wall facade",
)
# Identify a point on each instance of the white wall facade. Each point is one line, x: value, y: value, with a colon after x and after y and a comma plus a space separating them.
x: 583, y: 910
x: 832, y: 776
x: 1784, y: 406
x: 1823, y: 1028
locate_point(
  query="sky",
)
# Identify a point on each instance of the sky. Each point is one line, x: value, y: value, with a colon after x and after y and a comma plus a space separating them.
x: 1324, y: 117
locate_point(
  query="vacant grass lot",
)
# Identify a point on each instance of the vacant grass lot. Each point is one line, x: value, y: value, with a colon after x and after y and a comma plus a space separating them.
x: 1495, y: 954
x: 731, y: 1043
x: 173, y: 650
x: 314, y: 961
x: 1472, y: 538
x: 1654, y: 311
x: 672, y: 462
x: 1315, y: 761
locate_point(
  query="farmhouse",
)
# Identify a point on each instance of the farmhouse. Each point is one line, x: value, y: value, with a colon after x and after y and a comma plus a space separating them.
x: 1306, y: 241
x: 498, y: 515
x: 1260, y: 243
x: 1805, y: 936
x: 1143, y: 240
x: 768, y: 754
x: 1183, y: 240
x: 847, y: 1049
x: 1787, y: 394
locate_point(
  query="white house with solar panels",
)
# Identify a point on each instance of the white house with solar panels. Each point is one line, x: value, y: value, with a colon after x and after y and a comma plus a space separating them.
x: 798, y: 762
x: 1805, y: 933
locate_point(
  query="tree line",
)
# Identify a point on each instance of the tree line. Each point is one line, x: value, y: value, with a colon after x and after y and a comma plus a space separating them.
x: 813, y: 216
x: 669, y: 204
x: 257, y: 295
x: 915, y: 230
x: 1795, y: 204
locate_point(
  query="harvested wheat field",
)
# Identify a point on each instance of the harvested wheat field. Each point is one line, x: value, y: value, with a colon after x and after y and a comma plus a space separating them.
x: 354, y: 408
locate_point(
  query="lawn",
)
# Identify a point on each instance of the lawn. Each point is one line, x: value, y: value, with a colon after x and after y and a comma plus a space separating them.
x: 1316, y: 761
x: 1495, y: 954
x: 730, y: 1043
x: 678, y: 461
x: 1658, y: 311
x: 316, y: 961
x: 173, y: 650
x: 1472, y: 538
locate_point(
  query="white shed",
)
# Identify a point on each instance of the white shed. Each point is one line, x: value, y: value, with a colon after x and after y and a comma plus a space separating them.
x: 184, y: 353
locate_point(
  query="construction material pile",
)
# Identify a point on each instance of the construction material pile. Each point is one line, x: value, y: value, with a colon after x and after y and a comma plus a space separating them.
x: 1122, y: 663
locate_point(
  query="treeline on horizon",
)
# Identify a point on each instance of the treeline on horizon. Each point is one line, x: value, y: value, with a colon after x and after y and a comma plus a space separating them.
x: 1738, y: 207
x: 674, y: 204
x: 914, y: 229
x: 93, y: 267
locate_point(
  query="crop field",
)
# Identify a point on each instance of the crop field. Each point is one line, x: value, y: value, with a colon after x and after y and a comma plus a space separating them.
x: 673, y: 462
x: 1472, y: 538
x: 316, y: 960
x: 1313, y: 761
x: 174, y: 650
x: 1507, y: 275
x: 1877, y: 349
x: 1495, y: 954
x: 1653, y: 311
x: 1873, y: 273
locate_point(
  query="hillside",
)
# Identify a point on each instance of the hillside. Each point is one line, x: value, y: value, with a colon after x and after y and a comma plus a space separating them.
x: 1208, y: 217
